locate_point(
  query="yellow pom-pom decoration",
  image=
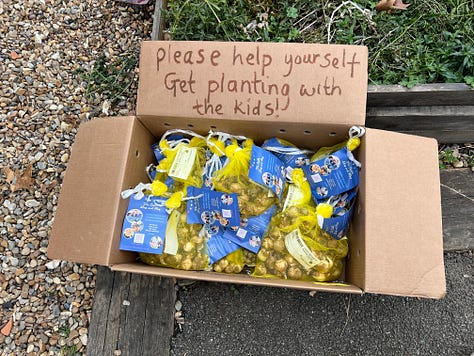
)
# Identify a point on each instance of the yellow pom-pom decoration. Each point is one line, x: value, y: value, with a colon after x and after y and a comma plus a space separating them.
x: 217, y: 147
x: 174, y: 201
x: 230, y: 150
x: 325, y: 210
x: 158, y: 188
x: 353, y: 143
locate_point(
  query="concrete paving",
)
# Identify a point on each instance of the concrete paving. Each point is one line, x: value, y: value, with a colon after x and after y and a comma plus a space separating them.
x: 223, y: 319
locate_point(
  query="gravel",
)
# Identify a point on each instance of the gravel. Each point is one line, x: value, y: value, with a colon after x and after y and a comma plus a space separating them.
x: 42, y: 103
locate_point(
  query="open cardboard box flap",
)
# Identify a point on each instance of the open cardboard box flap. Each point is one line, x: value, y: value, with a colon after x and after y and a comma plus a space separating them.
x: 403, y: 232
x: 396, y: 238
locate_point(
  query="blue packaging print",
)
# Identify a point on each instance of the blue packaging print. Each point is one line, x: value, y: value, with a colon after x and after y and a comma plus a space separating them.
x: 337, y: 225
x: 267, y: 169
x: 296, y: 159
x: 342, y: 202
x: 157, y: 152
x: 218, y: 247
x: 332, y: 175
x: 212, y: 208
x: 250, y: 233
x: 144, y: 225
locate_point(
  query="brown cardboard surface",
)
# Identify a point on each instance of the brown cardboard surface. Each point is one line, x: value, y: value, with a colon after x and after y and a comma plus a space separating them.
x: 403, y: 232
x: 280, y: 82
x: 355, y: 266
x: 235, y: 278
x: 306, y: 135
x: 84, y: 224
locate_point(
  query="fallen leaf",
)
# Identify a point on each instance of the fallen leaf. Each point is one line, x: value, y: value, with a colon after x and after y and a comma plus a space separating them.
x: 7, y: 328
x: 390, y: 5
x: 400, y: 5
x: 384, y: 5
x: 19, y: 180
x: 14, y: 55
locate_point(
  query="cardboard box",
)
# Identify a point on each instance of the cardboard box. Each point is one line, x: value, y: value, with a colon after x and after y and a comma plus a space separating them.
x: 308, y: 94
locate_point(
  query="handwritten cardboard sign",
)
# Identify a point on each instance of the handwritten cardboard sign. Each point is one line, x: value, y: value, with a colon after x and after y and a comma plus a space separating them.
x: 257, y: 81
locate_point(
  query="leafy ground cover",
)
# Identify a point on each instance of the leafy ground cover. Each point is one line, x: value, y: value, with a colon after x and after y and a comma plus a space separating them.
x: 431, y: 41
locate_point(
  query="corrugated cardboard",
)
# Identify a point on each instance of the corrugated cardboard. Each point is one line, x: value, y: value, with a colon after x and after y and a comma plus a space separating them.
x: 396, y: 235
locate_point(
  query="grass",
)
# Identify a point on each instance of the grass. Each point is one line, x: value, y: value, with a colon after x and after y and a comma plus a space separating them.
x: 431, y: 42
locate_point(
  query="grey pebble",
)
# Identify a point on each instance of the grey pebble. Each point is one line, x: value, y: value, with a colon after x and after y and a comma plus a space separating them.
x: 32, y: 203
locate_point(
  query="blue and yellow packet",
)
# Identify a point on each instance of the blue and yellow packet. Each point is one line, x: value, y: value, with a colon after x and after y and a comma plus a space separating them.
x: 250, y: 233
x: 268, y: 170
x: 343, y: 206
x: 218, y: 246
x: 144, y: 225
x: 334, y: 174
x: 290, y: 155
x: 210, y: 207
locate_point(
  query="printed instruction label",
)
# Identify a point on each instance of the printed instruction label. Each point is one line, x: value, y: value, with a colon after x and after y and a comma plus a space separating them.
x: 183, y: 163
x: 171, y: 240
x: 293, y: 197
x: 299, y: 250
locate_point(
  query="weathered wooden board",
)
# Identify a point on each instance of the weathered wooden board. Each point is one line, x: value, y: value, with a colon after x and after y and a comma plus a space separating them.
x: 158, y: 23
x: 457, y: 195
x: 420, y: 95
x: 131, y: 313
x: 445, y: 136
x: 448, y: 123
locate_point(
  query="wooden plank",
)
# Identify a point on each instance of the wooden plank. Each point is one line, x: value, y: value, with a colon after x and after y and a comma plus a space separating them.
x: 420, y: 95
x: 132, y: 313
x: 159, y: 316
x: 158, y: 23
x: 102, y: 297
x: 430, y: 121
x: 459, y: 136
x: 117, y: 313
x: 457, y: 194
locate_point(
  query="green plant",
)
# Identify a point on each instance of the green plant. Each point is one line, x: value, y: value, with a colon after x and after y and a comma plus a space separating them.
x: 446, y: 157
x: 108, y: 78
x: 432, y: 41
x: 68, y: 350
x: 65, y: 330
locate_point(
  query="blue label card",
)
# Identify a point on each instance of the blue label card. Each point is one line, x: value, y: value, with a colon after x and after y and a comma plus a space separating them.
x: 267, y: 169
x: 144, y: 225
x: 332, y: 175
x: 337, y: 225
x: 211, y: 207
x: 292, y: 158
x: 218, y: 247
x: 250, y: 233
x: 342, y: 202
